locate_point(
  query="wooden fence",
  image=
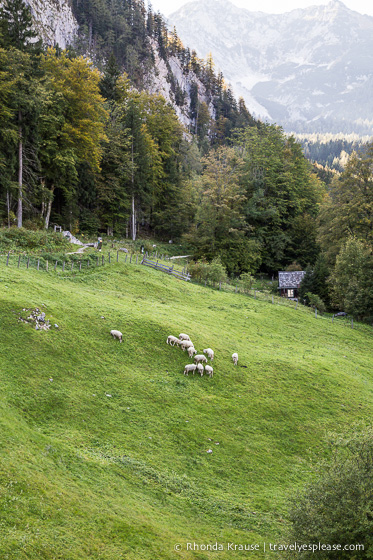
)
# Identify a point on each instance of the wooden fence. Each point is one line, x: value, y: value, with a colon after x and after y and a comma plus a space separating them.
x: 73, y: 264
x: 169, y: 269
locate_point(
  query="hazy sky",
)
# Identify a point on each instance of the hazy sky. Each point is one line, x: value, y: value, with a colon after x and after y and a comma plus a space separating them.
x: 166, y: 7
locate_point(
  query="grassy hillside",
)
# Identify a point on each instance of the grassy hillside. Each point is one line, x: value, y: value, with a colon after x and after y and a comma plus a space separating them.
x: 104, y: 446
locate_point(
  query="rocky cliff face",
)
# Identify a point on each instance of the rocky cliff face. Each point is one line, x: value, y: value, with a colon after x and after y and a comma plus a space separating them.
x: 308, y: 69
x: 158, y: 81
x: 54, y: 21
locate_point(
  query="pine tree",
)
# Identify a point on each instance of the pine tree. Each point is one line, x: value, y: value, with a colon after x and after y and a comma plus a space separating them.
x: 16, y: 26
x: 109, y: 80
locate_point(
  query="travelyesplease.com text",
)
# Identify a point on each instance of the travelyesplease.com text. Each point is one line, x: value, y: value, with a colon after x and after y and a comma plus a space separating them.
x: 267, y: 547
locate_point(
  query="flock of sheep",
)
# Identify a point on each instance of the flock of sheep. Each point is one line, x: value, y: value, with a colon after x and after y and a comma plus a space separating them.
x: 186, y: 344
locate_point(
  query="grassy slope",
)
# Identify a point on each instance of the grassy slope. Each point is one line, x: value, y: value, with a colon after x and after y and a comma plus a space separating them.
x: 87, y: 475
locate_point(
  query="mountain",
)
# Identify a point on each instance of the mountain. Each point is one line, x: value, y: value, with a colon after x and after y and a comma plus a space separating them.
x: 309, y: 70
x: 153, y: 58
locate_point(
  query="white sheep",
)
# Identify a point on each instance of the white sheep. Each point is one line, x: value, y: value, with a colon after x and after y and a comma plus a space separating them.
x: 210, y: 353
x: 200, y: 358
x: 209, y: 370
x: 200, y: 369
x: 235, y: 358
x: 117, y: 334
x: 172, y: 340
x: 183, y: 336
x: 189, y: 367
x: 184, y: 344
x: 191, y: 350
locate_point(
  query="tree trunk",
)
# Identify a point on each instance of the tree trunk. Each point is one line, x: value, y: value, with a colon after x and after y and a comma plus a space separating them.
x: 133, y: 197
x: 20, y: 171
x: 133, y: 219
x: 49, y: 208
x: 8, y: 207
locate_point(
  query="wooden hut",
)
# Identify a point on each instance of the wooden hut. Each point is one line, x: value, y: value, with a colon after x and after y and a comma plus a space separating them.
x: 289, y: 282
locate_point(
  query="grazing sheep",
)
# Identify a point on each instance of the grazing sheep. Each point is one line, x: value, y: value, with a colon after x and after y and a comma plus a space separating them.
x: 189, y: 367
x: 172, y: 340
x: 117, y: 334
x: 200, y: 358
x: 184, y: 344
x: 183, y: 336
x: 191, y: 351
x: 235, y: 358
x: 210, y: 353
x: 200, y: 369
x: 209, y: 370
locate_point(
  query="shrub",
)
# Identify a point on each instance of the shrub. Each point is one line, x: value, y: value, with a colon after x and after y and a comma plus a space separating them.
x: 246, y: 280
x: 294, y: 266
x: 27, y: 240
x: 203, y: 271
x: 316, y: 302
x: 337, y: 508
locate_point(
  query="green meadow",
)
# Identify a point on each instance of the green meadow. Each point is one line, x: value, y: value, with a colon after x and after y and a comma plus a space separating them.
x: 107, y: 451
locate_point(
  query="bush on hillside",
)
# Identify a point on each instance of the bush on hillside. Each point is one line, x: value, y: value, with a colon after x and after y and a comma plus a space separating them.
x: 203, y: 271
x: 246, y: 281
x: 22, y: 239
x: 337, y: 508
x: 316, y: 302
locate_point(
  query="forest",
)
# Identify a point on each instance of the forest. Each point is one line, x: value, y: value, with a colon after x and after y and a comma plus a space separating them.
x: 84, y: 145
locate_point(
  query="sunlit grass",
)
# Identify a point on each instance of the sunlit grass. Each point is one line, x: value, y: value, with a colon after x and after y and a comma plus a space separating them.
x: 104, y: 446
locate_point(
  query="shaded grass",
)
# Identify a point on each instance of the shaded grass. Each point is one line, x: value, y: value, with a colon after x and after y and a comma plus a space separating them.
x: 104, y: 445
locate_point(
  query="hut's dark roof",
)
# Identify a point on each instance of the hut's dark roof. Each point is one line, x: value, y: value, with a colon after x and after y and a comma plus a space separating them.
x: 290, y: 279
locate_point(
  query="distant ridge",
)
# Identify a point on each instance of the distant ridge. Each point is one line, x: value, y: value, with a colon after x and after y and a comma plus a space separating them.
x: 311, y: 70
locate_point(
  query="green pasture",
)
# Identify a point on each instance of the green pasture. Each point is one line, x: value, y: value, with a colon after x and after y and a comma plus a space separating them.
x: 105, y: 448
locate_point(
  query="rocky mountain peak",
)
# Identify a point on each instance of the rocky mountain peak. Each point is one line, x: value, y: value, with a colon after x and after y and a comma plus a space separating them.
x: 308, y: 69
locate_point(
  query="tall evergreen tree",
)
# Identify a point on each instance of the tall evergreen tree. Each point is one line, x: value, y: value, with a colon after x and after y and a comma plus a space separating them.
x: 16, y: 26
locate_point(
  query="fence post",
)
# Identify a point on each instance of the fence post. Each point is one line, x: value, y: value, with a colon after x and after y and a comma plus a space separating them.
x: 255, y: 294
x: 72, y: 265
x: 37, y: 268
x: 28, y: 261
x: 137, y: 258
x: 109, y: 258
x: 315, y: 312
x: 272, y: 300
x: 63, y: 266
x: 235, y: 291
x: 55, y: 266
x: 80, y: 266
x: 220, y: 285
x: 296, y: 305
x: 46, y: 266
x: 125, y: 260
x: 352, y: 323
x: 7, y: 259
x: 117, y: 256
x: 19, y: 260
